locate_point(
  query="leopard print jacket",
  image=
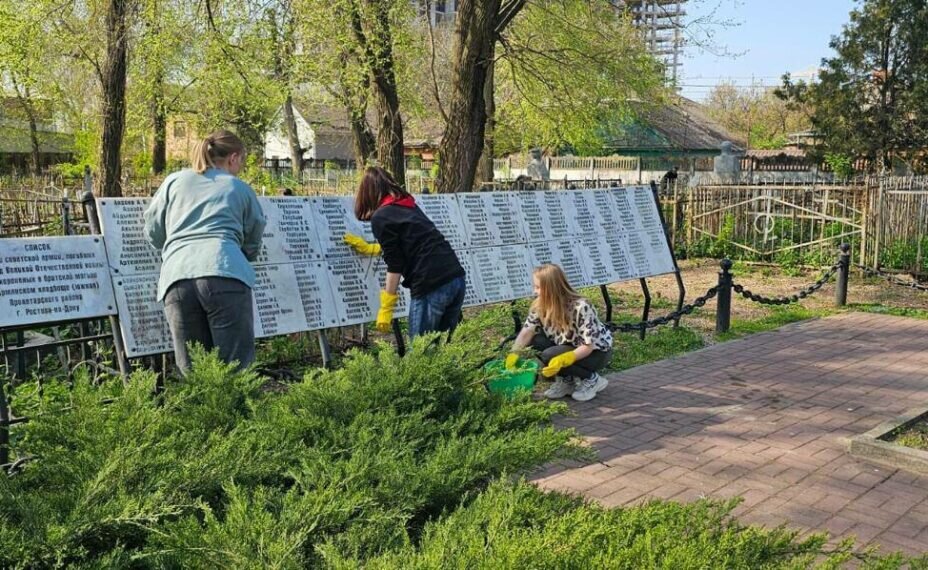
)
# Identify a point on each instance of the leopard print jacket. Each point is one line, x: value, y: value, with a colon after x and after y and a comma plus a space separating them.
x: 586, y: 328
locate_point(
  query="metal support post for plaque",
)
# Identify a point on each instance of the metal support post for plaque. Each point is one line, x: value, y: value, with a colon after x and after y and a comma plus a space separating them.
x: 516, y: 319
x: 398, y: 335
x: 90, y: 212
x: 681, y: 288
x: 647, y: 306
x: 723, y: 301
x: 4, y: 427
x: 844, y: 269
x: 607, y: 299
x: 324, y: 349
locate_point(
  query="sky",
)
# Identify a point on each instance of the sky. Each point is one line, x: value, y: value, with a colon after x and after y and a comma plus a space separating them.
x: 766, y: 39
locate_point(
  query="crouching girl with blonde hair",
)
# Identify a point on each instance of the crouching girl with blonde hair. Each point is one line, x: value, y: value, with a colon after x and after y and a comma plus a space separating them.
x: 563, y: 327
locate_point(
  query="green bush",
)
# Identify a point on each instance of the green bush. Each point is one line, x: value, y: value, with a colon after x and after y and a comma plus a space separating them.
x: 518, y: 526
x: 218, y: 473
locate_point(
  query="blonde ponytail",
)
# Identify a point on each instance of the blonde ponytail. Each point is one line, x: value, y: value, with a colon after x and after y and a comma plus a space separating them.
x: 215, y: 147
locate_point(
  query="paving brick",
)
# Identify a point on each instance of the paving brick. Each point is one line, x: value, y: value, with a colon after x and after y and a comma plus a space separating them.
x: 682, y: 429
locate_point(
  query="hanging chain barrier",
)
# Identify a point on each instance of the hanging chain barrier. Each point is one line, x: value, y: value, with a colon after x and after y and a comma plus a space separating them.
x: 788, y: 299
x: 891, y: 278
x: 669, y: 318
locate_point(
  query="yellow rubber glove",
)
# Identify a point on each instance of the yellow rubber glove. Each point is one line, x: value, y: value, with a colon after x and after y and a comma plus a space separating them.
x: 358, y: 244
x: 511, y: 361
x: 557, y: 363
x: 385, y: 314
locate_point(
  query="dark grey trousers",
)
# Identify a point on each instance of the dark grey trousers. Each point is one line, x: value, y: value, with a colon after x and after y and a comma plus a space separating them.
x: 582, y: 369
x: 215, y: 312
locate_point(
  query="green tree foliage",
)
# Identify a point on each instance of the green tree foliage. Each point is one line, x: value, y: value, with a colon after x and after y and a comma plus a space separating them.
x: 566, y: 69
x: 758, y: 115
x: 871, y: 97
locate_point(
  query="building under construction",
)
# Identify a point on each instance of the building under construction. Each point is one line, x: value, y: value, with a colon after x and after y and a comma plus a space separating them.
x: 661, y: 22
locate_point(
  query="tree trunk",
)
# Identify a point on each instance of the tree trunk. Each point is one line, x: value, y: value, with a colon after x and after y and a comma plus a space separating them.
x: 159, y: 121
x: 114, y: 97
x: 293, y: 139
x: 462, y: 144
x: 24, y: 97
x: 377, y: 40
x: 362, y: 137
x: 485, y: 165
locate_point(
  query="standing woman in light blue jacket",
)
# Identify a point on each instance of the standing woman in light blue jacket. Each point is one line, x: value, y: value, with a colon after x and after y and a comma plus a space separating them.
x: 206, y: 223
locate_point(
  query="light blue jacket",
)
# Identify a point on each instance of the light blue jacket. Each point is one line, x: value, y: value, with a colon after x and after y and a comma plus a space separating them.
x: 204, y: 225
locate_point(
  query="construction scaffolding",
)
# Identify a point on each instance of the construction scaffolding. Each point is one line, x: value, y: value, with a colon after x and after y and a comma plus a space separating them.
x: 661, y: 22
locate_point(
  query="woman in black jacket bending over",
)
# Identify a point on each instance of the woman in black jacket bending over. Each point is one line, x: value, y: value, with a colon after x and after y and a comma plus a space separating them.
x: 413, y: 250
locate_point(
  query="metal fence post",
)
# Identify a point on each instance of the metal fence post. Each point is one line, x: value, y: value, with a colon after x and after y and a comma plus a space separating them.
x: 844, y: 269
x: 723, y: 302
x: 66, y: 216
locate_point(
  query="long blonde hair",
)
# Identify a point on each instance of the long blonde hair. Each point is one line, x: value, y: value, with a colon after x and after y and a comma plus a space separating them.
x: 555, y: 297
x: 217, y: 146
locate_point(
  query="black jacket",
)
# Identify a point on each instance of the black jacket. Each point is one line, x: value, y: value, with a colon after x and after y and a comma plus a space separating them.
x: 413, y: 247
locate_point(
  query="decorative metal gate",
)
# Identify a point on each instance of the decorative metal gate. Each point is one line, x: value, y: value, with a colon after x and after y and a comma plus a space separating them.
x: 764, y: 221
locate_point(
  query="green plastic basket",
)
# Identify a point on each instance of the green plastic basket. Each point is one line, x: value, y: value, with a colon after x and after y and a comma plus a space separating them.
x: 511, y: 382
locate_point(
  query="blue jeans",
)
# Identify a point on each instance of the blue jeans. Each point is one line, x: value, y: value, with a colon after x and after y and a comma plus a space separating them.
x: 438, y: 311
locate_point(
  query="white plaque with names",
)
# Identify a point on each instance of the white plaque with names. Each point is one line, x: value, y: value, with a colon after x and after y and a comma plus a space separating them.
x: 356, y: 283
x: 604, y: 211
x: 561, y: 214
x: 54, y: 279
x: 276, y: 301
x: 537, y: 224
x: 334, y: 217
x: 567, y: 254
x: 586, y: 223
x: 141, y: 316
x: 127, y: 247
x: 475, y: 294
x: 290, y: 234
x: 622, y: 263
x: 491, y: 218
x: 629, y: 216
x: 494, y: 277
x: 445, y: 213
x: 598, y: 266
x: 319, y: 306
x: 643, y: 200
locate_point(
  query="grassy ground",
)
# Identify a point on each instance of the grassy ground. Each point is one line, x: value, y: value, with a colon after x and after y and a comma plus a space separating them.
x: 697, y: 330
x: 914, y: 436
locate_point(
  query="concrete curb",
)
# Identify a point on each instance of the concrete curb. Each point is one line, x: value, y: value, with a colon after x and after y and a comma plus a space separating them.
x: 873, y: 447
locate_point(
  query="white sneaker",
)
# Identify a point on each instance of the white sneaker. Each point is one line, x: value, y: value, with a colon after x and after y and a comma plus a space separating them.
x: 588, y: 388
x: 561, y: 387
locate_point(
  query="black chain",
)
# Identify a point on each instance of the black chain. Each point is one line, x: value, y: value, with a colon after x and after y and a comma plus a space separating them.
x: 787, y: 299
x: 891, y: 278
x: 668, y: 318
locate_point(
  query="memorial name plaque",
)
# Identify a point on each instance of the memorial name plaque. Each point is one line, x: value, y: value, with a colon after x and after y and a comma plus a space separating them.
x: 598, y: 265
x: 278, y: 308
x: 628, y: 215
x: 604, y: 212
x: 144, y: 329
x: 517, y: 262
x: 497, y: 286
x: 622, y: 263
x: 475, y: 294
x: 643, y: 200
x: 476, y: 216
x: 54, y: 279
x: 565, y: 253
x: 334, y: 217
x: 586, y: 222
x: 445, y: 213
x: 316, y: 296
x: 561, y: 214
x: 127, y: 247
x: 506, y: 218
x: 290, y: 234
x: 535, y: 215
x: 356, y: 283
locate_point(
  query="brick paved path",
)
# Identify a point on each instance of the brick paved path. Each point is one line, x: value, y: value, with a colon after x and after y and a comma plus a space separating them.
x: 767, y: 418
